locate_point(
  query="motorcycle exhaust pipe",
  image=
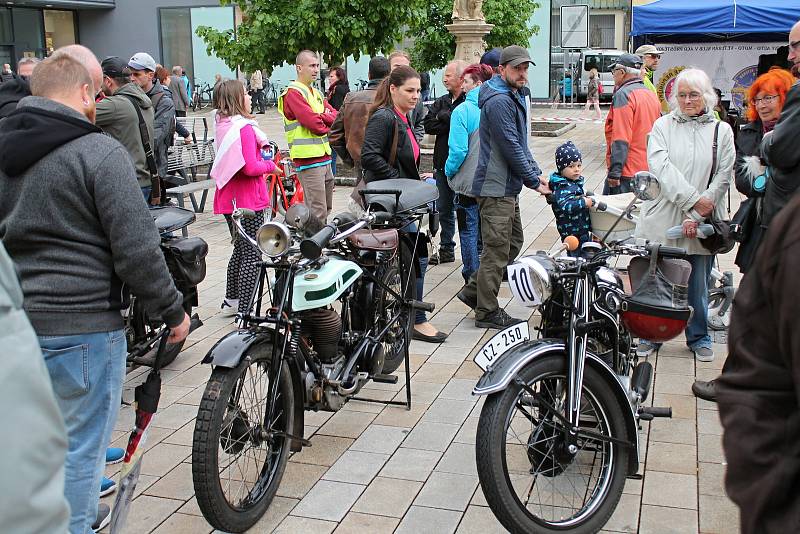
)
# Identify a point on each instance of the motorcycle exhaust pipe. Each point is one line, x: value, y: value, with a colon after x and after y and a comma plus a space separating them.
x: 641, y: 380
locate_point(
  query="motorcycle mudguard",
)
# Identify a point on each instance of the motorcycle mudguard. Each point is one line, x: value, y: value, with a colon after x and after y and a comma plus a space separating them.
x: 500, y: 374
x: 229, y: 351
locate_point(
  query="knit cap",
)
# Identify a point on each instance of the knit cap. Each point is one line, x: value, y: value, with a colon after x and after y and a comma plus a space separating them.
x: 566, y: 154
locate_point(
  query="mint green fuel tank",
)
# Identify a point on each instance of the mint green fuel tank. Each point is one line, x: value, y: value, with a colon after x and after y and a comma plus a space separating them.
x: 322, y: 286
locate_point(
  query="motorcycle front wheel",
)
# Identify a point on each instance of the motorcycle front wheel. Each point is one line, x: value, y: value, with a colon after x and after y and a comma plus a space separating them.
x: 531, y: 481
x: 238, y: 460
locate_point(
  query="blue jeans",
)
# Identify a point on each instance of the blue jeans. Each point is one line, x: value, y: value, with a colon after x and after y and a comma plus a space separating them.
x: 333, y: 162
x: 697, y: 329
x: 468, y: 223
x: 87, y: 372
x: 446, y: 209
x: 419, y: 315
x: 146, y: 193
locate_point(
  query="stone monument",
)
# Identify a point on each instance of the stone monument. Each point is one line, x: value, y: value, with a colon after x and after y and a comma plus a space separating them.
x: 469, y: 26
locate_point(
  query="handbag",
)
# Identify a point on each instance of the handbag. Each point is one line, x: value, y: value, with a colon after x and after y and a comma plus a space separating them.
x: 721, y: 241
x: 744, y: 220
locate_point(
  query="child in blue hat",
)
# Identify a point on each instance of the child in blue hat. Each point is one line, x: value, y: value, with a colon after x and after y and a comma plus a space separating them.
x: 569, y: 201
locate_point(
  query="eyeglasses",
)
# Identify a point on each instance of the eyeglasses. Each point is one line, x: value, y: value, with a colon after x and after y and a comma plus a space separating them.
x: 656, y: 56
x: 768, y: 99
x: 692, y: 97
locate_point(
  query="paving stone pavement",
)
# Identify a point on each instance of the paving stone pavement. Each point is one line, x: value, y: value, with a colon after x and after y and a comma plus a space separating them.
x: 375, y: 469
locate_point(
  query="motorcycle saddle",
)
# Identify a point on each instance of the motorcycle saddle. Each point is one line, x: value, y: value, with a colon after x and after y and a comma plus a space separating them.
x: 377, y: 240
x: 413, y: 194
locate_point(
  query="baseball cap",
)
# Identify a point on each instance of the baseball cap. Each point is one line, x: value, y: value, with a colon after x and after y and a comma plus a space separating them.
x: 515, y: 55
x: 628, y: 60
x: 647, y: 49
x: 492, y: 57
x: 115, y: 67
x: 142, y: 61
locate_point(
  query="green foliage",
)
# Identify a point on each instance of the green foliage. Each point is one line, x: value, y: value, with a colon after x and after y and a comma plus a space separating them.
x: 434, y: 46
x: 274, y: 31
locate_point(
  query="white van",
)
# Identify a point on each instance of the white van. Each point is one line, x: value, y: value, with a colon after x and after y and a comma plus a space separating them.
x: 602, y: 60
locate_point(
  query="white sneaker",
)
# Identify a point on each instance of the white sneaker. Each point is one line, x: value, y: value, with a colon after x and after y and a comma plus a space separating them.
x: 229, y: 307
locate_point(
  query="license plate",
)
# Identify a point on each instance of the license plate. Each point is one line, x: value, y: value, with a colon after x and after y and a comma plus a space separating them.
x: 501, y: 343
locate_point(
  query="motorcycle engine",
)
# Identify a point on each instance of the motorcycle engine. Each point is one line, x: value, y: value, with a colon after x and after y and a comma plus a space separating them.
x: 323, y: 328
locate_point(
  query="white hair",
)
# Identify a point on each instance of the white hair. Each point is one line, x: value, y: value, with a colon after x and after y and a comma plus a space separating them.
x: 697, y: 80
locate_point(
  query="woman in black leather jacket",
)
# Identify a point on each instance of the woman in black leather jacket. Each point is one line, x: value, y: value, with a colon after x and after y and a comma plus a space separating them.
x: 390, y: 151
x: 766, y: 97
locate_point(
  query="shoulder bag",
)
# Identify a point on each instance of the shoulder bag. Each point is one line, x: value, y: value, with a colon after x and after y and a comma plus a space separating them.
x: 721, y: 241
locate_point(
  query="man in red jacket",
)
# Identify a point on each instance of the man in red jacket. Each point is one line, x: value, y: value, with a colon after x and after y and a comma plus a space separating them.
x: 307, y: 119
x: 634, y: 109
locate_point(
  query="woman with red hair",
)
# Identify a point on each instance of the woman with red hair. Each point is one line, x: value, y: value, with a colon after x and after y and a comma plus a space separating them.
x: 765, y: 102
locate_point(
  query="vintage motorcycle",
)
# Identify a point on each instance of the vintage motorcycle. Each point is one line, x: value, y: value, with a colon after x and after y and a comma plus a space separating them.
x: 558, y: 433
x: 185, y: 257
x: 336, y: 315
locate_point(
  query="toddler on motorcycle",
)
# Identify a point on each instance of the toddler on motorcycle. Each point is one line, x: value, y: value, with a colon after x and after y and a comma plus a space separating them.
x: 569, y: 201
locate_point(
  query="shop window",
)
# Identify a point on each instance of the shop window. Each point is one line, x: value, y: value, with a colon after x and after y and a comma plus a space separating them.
x: 59, y: 29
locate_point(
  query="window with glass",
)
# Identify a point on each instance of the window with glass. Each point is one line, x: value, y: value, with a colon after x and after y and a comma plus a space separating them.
x: 59, y: 29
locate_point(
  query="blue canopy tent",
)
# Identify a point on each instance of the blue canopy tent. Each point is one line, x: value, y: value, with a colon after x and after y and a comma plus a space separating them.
x: 719, y: 18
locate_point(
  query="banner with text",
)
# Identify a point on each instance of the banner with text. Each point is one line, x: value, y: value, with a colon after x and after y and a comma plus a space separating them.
x: 732, y: 66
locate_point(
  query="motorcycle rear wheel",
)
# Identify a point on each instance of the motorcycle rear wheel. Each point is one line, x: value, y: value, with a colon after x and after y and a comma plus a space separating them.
x: 387, y: 306
x: 512, y: 448
x: 235, y: 469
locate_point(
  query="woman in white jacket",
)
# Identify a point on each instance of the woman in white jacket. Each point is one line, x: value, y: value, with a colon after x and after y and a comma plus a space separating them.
x: 680, y: 154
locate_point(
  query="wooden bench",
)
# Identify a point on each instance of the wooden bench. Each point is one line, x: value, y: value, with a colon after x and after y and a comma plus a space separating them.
x: 183, y: 164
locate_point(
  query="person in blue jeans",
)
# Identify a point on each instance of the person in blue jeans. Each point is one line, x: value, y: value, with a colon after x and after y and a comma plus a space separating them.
x: 73, y: 267
x: 463, y: 150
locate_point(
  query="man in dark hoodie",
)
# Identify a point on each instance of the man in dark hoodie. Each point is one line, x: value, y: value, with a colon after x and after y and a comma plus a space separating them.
x: 143, y: 69
x: 72, y: 220
x: 117, y: 116
x: 505, y: 164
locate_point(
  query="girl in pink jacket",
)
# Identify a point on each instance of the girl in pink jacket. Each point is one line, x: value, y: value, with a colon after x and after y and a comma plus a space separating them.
x: 238, y: 171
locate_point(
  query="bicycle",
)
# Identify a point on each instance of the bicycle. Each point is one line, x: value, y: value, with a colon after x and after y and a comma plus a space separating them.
x: 283, y: 186
x: 271, y: 96
x: 202, y: 95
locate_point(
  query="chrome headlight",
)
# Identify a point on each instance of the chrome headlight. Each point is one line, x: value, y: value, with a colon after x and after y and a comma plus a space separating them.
x: 531, y: 279
x: 273, y: 239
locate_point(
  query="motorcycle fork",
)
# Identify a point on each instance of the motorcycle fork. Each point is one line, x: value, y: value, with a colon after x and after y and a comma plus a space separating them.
x: 576, y: 347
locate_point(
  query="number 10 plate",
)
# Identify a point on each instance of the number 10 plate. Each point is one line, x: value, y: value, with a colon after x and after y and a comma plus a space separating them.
x: 501, y: 343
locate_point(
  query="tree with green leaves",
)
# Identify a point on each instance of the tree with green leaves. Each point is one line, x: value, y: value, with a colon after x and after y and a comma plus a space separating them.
x: 274, y: 31
x: 434, y: 46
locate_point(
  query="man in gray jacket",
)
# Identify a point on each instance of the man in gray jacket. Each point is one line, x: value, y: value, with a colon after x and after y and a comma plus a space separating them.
x: 117, y: 116
x: 72, y: 219
x: 178, y: 89
x: 143, y: 69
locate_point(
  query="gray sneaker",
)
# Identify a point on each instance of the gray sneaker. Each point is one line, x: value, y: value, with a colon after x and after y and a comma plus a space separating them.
x: 103, y: 517
x: 703, y: 354
x: 645, y: 348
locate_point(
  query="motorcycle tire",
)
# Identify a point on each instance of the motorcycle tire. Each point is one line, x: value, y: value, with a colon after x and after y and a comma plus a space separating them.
x: 386, y: 306
x: 223, y: 431
x: 496, y: 421
x: 172, y: 349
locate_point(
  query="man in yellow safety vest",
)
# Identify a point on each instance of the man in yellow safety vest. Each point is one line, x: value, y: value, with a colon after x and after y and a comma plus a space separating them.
x: 307, y: 119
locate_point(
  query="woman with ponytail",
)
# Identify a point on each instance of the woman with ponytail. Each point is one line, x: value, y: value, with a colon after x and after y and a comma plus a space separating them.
x: 390, y: 151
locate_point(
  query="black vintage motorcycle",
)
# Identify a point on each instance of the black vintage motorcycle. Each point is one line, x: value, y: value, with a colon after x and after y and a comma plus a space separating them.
x: 558, y: 433
x: 185, y: 257
x: 335, y: 315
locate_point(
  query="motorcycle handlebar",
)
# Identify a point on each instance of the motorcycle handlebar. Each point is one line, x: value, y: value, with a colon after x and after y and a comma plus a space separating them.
x: 312, y: 247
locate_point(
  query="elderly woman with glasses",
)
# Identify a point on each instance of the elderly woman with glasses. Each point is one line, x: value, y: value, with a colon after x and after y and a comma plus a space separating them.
x: 694, y: 181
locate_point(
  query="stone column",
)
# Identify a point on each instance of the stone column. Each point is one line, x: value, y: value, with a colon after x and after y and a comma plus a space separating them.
x: 469, y: 38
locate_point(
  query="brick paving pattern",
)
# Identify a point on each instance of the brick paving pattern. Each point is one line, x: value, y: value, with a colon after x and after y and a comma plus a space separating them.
x: 376, y: 469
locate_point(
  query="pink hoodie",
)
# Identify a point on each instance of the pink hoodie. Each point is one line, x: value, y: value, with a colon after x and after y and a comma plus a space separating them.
x: 247, y: 186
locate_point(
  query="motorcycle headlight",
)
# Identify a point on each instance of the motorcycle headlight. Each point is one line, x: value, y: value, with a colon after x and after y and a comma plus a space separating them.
x: 531, y: 279
x: 273, y: 239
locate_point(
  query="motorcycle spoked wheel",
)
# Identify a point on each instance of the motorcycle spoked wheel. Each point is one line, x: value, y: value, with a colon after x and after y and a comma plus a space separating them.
x: 171, y: 351
x: 236, y: 471
x: 387, y: 306
x: 532, y: 484
x: 717, y: 319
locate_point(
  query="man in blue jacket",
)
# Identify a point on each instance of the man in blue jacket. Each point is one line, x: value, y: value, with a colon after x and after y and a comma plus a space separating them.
x: 504, y: 165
